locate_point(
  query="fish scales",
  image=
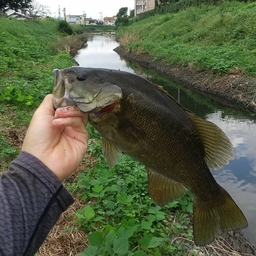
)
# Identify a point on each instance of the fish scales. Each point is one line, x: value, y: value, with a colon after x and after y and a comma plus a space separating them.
x: 137, y: 118
x: 176, y: 134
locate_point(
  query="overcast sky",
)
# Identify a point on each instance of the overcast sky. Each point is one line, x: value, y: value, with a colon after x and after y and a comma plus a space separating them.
x: 93, y: 8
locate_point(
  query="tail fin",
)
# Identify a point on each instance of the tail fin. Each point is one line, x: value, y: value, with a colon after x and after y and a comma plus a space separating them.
x: 214, y: 217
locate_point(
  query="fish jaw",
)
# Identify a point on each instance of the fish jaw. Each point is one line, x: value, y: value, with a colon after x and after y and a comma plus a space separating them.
x: 74, y: 87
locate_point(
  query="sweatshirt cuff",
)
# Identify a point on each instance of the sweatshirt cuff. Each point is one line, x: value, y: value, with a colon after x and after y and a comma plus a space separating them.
x: 38, y: 169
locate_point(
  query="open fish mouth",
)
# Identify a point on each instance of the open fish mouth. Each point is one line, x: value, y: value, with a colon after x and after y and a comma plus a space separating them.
x: 89, y: 95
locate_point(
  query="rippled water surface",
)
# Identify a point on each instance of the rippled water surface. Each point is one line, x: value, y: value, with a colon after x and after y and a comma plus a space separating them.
x: 239, y: 177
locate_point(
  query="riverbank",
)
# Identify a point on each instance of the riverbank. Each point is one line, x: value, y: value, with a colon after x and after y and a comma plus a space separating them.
x: 234, y: 89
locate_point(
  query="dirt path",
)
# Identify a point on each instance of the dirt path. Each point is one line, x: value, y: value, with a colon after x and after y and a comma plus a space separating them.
x: 233, y: 89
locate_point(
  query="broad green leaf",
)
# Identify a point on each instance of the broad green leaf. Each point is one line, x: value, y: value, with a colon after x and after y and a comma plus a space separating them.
x: 140, y: 253
x: 146, y: 224
x: 121, y: 245
x: 95, y: 238
x: 121, y: 232
x: 155, y: 241
x: 131, y: 230
x: 144, y: 242
x: 88, y: 212
x: 89, y: 251
x: 122, y: 198
x: 160, y: 215
x: 151, y: 217
x: 110, y: 237
x: 97, y: 188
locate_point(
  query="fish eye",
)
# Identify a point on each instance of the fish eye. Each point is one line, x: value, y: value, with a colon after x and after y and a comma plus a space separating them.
x: 81, y: 77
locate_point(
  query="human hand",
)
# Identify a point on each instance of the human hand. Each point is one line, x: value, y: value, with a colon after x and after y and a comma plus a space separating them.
x: 57, y: 138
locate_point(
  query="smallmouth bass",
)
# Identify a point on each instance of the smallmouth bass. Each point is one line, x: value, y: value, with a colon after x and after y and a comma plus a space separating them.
x: 178, y: 149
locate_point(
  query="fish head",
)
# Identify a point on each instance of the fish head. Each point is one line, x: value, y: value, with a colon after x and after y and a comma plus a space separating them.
x: 84, y: 88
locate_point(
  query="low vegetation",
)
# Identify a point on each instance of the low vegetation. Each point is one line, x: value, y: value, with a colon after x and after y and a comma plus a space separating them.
x: 26, y: 65
x: 215, y: 38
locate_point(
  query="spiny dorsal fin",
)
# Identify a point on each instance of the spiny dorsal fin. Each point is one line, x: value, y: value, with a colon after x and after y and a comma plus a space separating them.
x: 218, y: 148
x: 111, y: 152
x: 163, y: 190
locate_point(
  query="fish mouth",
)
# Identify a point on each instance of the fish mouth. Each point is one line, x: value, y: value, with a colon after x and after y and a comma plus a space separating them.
x: 97, y: 110
x: 63, y: 95
x: 105, y: 109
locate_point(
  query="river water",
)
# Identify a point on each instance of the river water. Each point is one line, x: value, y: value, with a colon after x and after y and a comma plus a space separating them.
x: 239, y: 177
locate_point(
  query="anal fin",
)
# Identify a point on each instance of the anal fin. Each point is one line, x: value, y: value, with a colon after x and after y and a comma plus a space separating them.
x: 163, y: 190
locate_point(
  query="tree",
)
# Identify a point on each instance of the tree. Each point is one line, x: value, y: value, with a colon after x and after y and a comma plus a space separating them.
x: 164, y: 1
x: 122, y: 17
x: 37, y: 10
x: 14, y: 4
x: 131, y: 13
x: 65, y: 28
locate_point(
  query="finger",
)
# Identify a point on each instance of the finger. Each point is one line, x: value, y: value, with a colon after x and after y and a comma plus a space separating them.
x: 75, y: 122
x: 68, y: 111
x: 71, y: 111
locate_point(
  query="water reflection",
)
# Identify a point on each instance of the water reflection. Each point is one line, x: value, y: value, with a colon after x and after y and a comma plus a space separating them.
x: 239, y: 177
x: 99, y: 53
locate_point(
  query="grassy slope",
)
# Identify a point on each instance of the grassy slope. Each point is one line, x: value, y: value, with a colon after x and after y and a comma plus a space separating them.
x: 217, y: 38
x: 26, y: 65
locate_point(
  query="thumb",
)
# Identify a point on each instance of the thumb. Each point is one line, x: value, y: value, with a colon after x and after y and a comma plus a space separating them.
x: 46, y: 106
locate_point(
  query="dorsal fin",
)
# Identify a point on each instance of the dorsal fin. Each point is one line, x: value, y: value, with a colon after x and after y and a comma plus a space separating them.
x: 218, y: 148
x: 163, y: 190
x: 111, y: 152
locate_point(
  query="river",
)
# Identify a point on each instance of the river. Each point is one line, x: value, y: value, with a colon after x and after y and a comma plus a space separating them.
x: 239, y: 177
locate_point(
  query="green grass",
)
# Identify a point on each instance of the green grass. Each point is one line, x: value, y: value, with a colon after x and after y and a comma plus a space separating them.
x: 26, y: 62
x: 26, y: 65
x: 216, y: 38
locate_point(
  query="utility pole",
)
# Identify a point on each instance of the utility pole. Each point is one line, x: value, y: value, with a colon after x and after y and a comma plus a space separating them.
x: 100, y: 15
x: 59, y: 16
x: 64, y: 13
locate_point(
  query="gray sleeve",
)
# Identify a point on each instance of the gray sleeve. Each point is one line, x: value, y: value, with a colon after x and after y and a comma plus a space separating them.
x: 32, y: 199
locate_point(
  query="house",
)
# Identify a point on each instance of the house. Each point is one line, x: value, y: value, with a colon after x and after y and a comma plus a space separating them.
x: 75, y: 19
x: 109, y: 20
x: 16, y: 14
x: 143, y: 6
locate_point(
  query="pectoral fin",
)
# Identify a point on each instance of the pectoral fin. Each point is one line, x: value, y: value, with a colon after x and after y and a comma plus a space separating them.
x: 163, y: 190
x: 218, y: 148
x: 111, y: 152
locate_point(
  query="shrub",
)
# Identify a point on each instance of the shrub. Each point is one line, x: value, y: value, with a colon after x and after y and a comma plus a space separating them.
x: 65, y: 28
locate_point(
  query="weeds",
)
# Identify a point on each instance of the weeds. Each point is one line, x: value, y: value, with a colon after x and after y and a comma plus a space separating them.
x: 26, y: 66
x: 69, y: 44
x: 215, y: 38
